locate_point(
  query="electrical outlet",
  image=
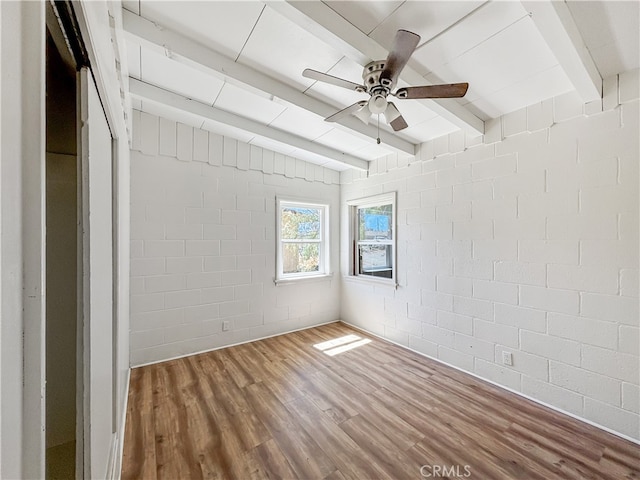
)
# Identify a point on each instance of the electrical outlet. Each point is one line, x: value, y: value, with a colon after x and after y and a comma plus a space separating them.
x: 225, y: 326
x: 507, y: 358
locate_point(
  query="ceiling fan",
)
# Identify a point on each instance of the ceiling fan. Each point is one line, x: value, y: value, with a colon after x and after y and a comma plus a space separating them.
x: 379, y: 78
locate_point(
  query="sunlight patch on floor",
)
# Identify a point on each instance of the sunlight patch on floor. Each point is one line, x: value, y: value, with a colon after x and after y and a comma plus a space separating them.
x: 348, y: 346
x: 336, y: 342
x: 341, y: 344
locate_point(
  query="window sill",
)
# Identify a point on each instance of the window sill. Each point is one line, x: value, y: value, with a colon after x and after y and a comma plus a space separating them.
x: 303, y: 279
x: 370, y: 280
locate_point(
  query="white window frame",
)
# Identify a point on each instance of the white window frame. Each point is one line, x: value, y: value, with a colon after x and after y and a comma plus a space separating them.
x: 353, y: 207
x: 324, y: 265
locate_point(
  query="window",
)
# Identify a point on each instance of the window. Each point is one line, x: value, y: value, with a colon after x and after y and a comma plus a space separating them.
x: 303, y: 240
x: 373, y: 239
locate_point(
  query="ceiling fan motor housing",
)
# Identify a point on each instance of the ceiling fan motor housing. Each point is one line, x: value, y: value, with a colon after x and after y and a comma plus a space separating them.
x: 371, y: 77
x: 378, y: 92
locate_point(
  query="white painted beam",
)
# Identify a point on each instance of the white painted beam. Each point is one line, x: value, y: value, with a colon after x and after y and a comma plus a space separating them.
x: 556, y: 25
x: 325, y: 23
x: 187, y: 51
x: 146, y: 91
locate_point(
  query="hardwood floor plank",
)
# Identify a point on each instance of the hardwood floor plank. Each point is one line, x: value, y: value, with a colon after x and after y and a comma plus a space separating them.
x: 473, y: 411
x: 342, y: 404
x: 304, y: 455
x: 295, y: 406
x: 282, y: 382
x: 395, y: 462
x: 233, y: 412
x: 249, y: 359
x: 625, y: 459
x: 357, y: 380
x: 345, y: 453
x: 240, y: 376
x: 267, y: 461
x: 401, y: 433
x: 174, y: 447
x: 566, y: 432
x: 337, y: 475
x: 140, y: 460
x: 222, y: 441
x: 445, y: 453
x: 587, y: 463
x: 475, y: 429
x: 308, y: 354
x: 441, y: 439
x: 537, y: 447
x: 271, y: 349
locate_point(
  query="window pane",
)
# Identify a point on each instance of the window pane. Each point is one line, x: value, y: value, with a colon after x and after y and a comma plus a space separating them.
x: 376, y: 260
x: 374, y: 223
x: 300, y: 257
x: 300, y: 223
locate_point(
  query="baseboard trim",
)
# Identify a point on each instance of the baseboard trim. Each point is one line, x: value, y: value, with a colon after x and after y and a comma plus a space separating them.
x: 520, y: 394
x: 233, y: 344
x: 113, y: 457
x: 117, y: 446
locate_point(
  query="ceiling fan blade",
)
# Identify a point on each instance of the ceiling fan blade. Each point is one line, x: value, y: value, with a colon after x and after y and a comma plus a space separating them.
x: 323, y: 77
x: 403, y: 46
x: 451, y: 90
x: 346, y: 111
x: 394, y: 118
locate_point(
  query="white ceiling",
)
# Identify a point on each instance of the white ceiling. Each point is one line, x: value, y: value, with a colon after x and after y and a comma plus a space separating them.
x: 217, y: 53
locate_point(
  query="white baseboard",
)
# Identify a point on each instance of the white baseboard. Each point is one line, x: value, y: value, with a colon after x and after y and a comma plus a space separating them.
x: 113, y: 457
x: 117, y: 444
x: 520, y: 394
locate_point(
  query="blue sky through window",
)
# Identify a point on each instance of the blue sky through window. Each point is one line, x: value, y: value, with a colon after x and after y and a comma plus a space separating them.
x: 376, y: 223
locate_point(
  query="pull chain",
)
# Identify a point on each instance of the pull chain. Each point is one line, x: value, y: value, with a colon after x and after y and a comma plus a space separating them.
x: 378, y: 139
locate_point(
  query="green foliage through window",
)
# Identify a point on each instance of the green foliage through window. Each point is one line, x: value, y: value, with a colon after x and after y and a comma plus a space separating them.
x: 300, y: 257
x: 300, y: 223
x: 302, y: 239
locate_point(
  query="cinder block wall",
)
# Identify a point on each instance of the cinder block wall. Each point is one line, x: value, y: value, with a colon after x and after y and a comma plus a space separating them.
x: 203, y: 241
x: 524, y: 240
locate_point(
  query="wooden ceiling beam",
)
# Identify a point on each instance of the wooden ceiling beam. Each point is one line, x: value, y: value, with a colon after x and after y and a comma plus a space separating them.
x: 558, y: 28
x: 148, y: 92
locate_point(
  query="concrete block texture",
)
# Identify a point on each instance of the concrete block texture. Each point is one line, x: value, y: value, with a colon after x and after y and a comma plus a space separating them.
x: 545, y: 267
x: 204, y: 223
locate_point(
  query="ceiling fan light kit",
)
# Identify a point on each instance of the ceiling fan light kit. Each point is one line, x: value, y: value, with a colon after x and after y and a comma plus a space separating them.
x: 363, y: 114
x: 379, y: 79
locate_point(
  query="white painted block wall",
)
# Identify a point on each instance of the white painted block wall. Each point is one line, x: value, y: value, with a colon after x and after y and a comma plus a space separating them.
x: 203, y: 241
x: 526, y: 242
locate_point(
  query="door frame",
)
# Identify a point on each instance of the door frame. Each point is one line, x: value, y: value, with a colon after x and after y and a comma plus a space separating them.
x: 22, y: 221
x: 96, y: 37
x: 22, y: 330
x: 90, y: 111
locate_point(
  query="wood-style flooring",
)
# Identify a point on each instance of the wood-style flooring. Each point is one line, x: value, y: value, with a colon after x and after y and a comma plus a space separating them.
x: 284, y: 408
